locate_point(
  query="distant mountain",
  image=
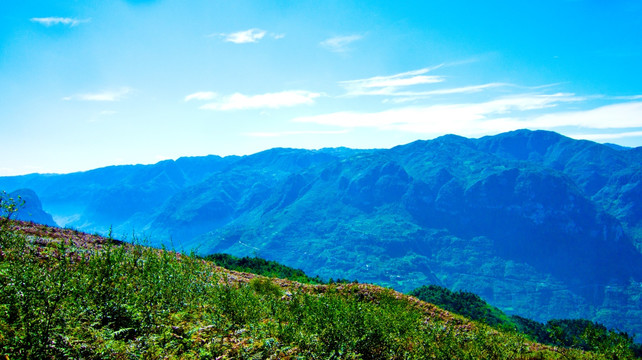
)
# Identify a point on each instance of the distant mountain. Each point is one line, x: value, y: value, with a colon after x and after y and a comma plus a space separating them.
x: 122, y: 197
x: 29, y: 207
x: 536, y: 223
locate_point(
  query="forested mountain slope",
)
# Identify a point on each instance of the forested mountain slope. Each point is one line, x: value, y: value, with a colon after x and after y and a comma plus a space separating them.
x: 536, y: 223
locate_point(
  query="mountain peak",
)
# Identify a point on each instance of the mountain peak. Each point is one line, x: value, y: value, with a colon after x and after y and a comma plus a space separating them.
x: 522, y: 144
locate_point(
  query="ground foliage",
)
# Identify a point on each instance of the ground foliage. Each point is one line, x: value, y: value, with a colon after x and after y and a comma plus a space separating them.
x: 269, y: 268
x: 67, y: 294
x: 466, y: 304
x: 259, y: 266
x: 573, y: 333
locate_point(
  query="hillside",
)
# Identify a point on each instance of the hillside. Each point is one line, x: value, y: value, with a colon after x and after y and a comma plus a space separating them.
x: 68, y: 294
x: 538, y: 224
x: 575, y: 333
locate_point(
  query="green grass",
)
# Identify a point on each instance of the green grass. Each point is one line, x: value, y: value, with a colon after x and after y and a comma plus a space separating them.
x: 64, y: 294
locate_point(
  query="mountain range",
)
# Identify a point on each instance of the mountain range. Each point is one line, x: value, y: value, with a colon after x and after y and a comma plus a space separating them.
x: 536, y: 223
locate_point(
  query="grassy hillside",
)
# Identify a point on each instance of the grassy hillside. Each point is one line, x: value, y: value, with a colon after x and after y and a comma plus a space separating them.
x: 575, y: 333
x: 68, y: 294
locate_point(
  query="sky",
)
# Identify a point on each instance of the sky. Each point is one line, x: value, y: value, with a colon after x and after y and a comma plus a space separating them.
x: 92, y: 83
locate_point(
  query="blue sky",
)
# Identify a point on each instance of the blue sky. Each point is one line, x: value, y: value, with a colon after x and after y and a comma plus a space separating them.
x: 85, y: 84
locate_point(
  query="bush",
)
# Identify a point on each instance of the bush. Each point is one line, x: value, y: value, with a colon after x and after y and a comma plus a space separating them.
x: 464, y: 303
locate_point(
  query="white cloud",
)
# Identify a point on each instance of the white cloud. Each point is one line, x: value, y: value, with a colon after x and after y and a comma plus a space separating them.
x: 247, y: 36
x: 101, y: 96
x: 244, y: 37
x: 290, y: 133
x: 406, y: 96
x: 471, y: 119
x: 388, y: 85
x: 632, y: 97
x: 340, y: 43
x: 50, y: 21
x: 281, y: 99
x: 622, y: 115
x: 401, y: 79
x: 396, y: 85
x: 606, y: 137
x: 459, y: 90
x: 526, y: 102
x: 415, y: 80
x: 434, y: 119
x: 201, y: 95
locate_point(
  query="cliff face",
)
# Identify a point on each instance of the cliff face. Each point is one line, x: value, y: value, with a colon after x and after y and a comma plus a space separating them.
x: 30, y: 208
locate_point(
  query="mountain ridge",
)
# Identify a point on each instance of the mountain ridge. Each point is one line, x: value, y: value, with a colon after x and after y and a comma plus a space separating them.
x: 531, y: 220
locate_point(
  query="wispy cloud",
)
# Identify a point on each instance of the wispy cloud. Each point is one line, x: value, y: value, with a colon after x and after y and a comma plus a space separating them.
x: 458, y: 90
x: 398, y: 85
x: 340, y: 44
x: 406, y: 96
x: 631, y: 97
x: 388, y: 85
x: 470, y: 119
x: 109, y: 95
x: 247, y: 36
x: 281, y: 99
x: 606, y: 137
x: 50, y: 21
x: 404, y: 78
x: 291, y: 133
x: 622, y: 115
x: 201, y: 95
x: 244, y: 37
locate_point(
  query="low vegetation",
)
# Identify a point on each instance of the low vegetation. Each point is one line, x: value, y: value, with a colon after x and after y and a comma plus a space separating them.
x: 273, y: 269
x: 66, y: 294
x: 260, y: 266
x: 571, y: 333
